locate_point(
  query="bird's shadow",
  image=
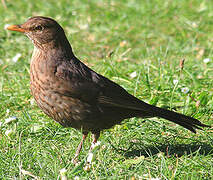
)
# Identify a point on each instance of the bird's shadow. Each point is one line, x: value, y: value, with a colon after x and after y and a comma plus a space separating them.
x: 177, y: 150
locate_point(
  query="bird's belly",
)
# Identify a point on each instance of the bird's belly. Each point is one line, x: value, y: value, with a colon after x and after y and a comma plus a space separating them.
x: 67, y: 111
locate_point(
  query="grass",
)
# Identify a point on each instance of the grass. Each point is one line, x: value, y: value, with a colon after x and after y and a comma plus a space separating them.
x: 115, y: 38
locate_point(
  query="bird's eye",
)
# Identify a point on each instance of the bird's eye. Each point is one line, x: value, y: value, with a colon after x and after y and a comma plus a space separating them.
x: 39, y: 28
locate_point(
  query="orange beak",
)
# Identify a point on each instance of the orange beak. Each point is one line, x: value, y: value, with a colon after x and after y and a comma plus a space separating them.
x: 16, y: 28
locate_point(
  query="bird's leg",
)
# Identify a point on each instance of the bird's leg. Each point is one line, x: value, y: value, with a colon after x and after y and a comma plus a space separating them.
x: 95, y: 136
x: 74, y: 160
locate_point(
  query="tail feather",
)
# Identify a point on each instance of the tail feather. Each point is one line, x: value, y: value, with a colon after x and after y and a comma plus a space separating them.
x: 187, y: 122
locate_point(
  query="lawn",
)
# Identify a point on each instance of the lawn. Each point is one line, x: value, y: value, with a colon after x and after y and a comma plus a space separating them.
x: 139, y: 44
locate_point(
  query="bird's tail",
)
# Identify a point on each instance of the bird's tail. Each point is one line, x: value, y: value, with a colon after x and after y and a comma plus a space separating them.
x: 187, y: 122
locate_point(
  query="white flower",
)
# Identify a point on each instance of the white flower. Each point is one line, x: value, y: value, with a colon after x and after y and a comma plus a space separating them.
x: 175, y: 81
x: 206, y: 60
x: 160, y: 154
x: 194, y: 25
x: 1, y: 123
x: 90, y: 157
x: 123, y: 43
x: 10, y: 119
x: 76, y: 178
x: 6, y: 26
x: 63, y: 173
x: 8, y: 111
x: 87, y: 167
x: 133, y: 75
x: 1, y: 61
x: 16, y: 57
x: 32, y: 101
x: 185, y: 90
x: 83, y: 26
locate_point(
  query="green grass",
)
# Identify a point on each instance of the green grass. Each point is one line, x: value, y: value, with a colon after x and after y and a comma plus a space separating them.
x: 115, y: 38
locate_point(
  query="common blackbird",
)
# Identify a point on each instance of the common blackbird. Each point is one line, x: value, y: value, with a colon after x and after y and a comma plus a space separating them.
x: 76, y: 96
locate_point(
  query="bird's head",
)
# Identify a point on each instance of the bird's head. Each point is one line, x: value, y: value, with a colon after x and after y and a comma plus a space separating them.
x: 41, y: 30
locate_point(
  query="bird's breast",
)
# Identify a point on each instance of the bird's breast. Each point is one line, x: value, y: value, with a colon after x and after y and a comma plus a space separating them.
x: 48, y: 93
x: 41, y: 85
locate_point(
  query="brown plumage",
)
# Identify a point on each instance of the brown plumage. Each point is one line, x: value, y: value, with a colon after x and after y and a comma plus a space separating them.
x: 74, y: 95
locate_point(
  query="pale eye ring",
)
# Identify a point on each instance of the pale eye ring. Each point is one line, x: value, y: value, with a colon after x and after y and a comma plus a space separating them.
x: 39, y: 28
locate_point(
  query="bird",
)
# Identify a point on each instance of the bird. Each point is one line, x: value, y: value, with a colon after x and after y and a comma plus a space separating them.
x: 73, y: 94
